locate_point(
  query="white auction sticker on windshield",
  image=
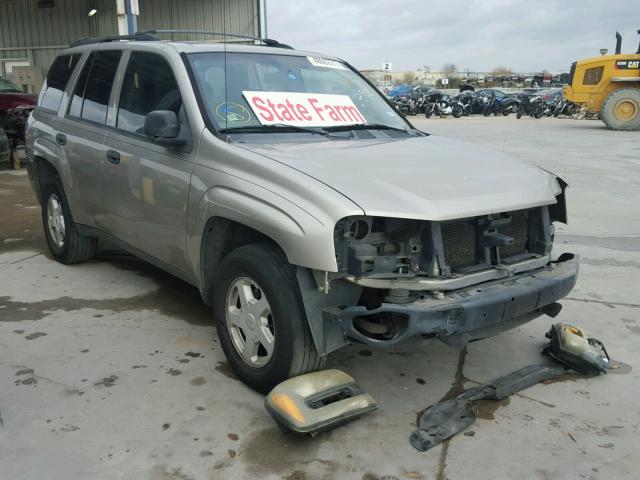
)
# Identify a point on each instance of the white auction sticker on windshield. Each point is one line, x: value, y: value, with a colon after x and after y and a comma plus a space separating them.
x: 326, y: 62
x: 303, y: 109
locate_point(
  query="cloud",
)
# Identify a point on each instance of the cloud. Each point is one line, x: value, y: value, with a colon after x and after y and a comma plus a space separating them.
x: 477, y: 35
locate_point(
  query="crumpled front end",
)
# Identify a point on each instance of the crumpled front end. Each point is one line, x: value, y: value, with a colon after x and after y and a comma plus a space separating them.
x: 456, y: 279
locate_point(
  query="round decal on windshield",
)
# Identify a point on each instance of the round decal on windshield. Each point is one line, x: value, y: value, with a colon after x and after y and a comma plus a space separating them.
x: 233, y: 113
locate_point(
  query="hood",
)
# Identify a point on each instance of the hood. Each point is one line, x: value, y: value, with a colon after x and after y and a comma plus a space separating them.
x: 427, y: 178
x: 13, y: 100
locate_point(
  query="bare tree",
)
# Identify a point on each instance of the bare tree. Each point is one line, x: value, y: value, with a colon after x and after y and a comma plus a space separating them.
x: 449, y: 70
x: 501, y: 72
x: 409, y: 77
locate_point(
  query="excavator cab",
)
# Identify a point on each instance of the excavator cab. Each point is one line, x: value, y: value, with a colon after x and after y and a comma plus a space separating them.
x: 608, y: 85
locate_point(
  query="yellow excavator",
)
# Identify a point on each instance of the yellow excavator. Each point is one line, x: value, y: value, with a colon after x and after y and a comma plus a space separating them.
x: 608, y: 85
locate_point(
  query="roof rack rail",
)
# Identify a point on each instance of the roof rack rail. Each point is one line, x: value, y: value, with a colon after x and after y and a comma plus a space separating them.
x: 140, y: 37
x: 269, y: 42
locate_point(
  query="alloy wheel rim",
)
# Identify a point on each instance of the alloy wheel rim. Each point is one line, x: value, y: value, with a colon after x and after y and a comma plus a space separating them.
x: 55, y: 220
x: 249, y: 322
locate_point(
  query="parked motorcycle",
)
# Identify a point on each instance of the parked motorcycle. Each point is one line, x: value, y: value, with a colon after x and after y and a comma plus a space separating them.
x: 565, y: 107
x: 462, y: 104
x: 438, y: 103
x: 531, y: 105
x: 500, y: 106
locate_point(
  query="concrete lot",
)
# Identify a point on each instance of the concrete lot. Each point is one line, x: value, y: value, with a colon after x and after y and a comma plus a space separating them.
x: 112, y: 369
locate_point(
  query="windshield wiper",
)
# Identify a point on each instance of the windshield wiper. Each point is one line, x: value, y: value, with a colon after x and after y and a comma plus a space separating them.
x: 365, y: 126
x: 277, y: 127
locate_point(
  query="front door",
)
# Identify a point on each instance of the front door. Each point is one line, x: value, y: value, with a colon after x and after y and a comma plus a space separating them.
x: 144, y: 186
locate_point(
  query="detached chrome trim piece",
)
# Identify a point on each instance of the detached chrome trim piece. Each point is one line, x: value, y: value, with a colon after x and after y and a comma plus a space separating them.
x: 495, y: 273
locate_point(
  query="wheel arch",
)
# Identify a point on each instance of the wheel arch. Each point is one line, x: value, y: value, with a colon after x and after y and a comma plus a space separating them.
x: 45, y: 173
x: 220, y: 236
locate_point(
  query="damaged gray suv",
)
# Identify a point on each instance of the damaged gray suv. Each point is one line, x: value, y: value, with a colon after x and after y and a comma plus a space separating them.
x: 285, y: 187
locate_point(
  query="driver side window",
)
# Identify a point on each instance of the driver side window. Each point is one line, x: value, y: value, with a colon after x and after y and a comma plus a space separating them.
x: 148, y: 85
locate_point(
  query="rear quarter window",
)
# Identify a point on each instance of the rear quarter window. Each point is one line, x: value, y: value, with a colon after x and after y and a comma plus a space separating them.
x: 91, y: 94
x: 56, y: 82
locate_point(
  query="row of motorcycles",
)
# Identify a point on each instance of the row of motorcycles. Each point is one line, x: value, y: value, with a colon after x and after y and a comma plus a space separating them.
x: 485, y: 102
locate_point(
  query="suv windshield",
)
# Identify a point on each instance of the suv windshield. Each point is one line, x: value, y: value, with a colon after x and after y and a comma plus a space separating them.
x: 7, y: 86
x: 263, y: 91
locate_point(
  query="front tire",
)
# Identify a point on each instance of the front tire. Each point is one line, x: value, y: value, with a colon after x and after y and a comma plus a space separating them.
x: 65, y: 243
x: 621, y: 109
x: 457, y: 111
x: 261, y: 320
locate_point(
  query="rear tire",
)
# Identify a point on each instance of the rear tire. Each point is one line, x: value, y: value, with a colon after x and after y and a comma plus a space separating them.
x: 65, y: 243
x: 621, y: 109
x: 261, y: 320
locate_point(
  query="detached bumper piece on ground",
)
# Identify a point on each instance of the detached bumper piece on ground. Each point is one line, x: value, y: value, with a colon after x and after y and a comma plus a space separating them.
x: 316, y: 402
x: 569, y: 345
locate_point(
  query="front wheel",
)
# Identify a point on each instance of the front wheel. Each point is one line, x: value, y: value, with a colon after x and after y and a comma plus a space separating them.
x: 520, y: 112
x: 427, y: 113
x: 260, y: 317
x: 457, y: 111
x: 621, y: 109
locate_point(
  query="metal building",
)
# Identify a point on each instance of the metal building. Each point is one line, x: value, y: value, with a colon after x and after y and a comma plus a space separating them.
x: 33, y: 32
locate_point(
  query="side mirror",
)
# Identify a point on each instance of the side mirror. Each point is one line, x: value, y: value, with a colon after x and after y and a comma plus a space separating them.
x: 162, y: 127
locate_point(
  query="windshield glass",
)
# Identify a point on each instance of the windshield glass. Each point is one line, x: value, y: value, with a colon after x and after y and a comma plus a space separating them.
x: 8, y: 86
x: 260, y: 90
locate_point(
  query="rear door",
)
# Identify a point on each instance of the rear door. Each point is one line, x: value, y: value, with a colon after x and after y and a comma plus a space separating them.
x: 83, y: 130
x: 46, y: 118
x: 144, y: 186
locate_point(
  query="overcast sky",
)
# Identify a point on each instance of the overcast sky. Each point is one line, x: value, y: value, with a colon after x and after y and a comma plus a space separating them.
x: 478, y: 35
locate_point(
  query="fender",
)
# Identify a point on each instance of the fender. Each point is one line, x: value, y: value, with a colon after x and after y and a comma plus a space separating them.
x: 305, y: 240
x: 51, y: 152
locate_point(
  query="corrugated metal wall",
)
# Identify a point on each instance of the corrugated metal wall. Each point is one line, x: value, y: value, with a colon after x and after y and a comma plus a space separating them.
x: 39, y: 34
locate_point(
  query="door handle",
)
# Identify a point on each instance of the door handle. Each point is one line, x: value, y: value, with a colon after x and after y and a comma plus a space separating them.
x: 61, y: 139
x: 113, y: 157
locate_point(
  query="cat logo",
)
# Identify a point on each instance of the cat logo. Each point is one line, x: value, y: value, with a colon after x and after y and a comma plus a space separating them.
x: 628, y: 64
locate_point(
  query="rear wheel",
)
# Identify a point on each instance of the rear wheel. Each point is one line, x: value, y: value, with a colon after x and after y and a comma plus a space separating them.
x: 621, y: 110
x: 261, y: 324
x: 65, y: 243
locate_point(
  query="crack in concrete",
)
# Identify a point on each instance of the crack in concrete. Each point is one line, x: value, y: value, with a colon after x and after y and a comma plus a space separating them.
x: 457, y: 387
x: 603, y: 302
x: 625, y: 244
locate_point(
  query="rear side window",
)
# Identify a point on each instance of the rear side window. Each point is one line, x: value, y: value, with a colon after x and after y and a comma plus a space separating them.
x: 90, y: 99
x: 592, y: 76
x: 75, y: 108
x: 57, y: 79
x: 148, y: 85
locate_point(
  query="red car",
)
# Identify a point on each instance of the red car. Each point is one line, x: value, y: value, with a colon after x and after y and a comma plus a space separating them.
x: 15, y: 107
